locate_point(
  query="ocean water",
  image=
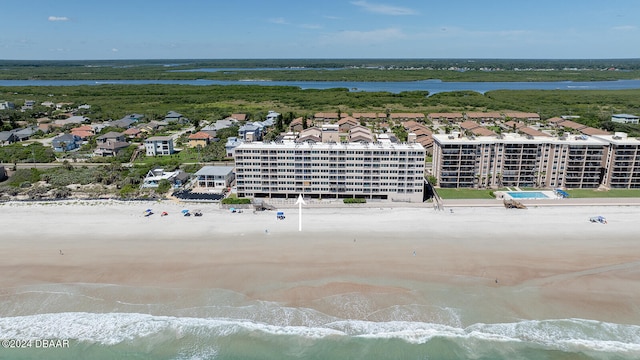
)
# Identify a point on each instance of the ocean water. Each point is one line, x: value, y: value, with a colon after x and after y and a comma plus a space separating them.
x: 116, y: 322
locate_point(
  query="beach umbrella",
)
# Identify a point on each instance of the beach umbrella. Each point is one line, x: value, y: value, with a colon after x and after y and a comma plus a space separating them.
x: 185, y: 211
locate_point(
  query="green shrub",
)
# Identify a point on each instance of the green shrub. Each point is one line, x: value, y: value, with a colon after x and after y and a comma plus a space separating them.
x: 163, y: 186
x: 354, y: 201
x: 236, y: 201
x: 23, y: 176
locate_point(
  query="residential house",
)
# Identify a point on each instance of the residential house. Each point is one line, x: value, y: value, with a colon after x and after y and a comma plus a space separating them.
x: 83, y: 132
x: 323, y: 117
x: 7, y: 105
x: 124, y: 123
x: 593, y: 131
x: 28, y: 105
x: 625, y: 118
x: 250, y: 132
x: 513, y: 126
x: 132, y: 133
x: 366, y: 117
x: 524, y: 116
x: 25, y: 133
x: 445, y: 117
x: 423, y: 135
x: 529, y: 131
x: 63, y: 106
x: 152, y: 126
x: 159, y: 146
x: 482, y: 131
x: 224, y: 124
x: 72, y: 120
x: 175, y: 117
x: 346, y: 123
x: 7, y: 137
x: 210, y: 129
x: 312, y: 134
x: 297, y: 125
x: 360, y: 133
x: 200, y: 138
x: 214, y: 178
x: 407, y: 116
x: 231, y: 144
x: 44, y: 127
x: 330, y: 133
x: 572, y: 125
x: 241, y: 117
x: 65, y: 142
x: 483, y: 117
x: 176, y: 178
x: 110, y: 144
x: 272, y: 115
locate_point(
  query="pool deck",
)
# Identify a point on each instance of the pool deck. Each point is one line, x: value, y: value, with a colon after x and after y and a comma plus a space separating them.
x: 550, y: 195
x: 544, y: 202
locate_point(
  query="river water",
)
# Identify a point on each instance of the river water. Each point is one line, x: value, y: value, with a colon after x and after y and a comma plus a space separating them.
x: 432, y: 86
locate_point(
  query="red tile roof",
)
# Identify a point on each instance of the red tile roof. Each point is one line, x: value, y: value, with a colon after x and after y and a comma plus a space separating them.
x: 531, y: 131
x: 468, y: 125
x: 482, y: 131
x: 200, y: 135
x: 594, y: 131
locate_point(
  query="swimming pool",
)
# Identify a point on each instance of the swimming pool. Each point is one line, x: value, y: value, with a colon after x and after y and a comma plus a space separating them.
x: 527, y: 195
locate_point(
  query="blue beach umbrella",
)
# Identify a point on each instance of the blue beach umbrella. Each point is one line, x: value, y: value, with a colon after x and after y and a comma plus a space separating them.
x: 185, y: 211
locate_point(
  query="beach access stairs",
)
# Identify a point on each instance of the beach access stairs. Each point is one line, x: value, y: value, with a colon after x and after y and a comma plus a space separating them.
x: 512, y: 204
x: 261, y: 205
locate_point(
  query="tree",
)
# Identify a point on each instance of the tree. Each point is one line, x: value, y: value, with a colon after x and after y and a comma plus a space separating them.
x: 280, y: 123
x: 432, y: 180
x: 163, y: 186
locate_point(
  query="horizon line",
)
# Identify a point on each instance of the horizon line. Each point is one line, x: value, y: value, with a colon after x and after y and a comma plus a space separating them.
x: 329, y: 58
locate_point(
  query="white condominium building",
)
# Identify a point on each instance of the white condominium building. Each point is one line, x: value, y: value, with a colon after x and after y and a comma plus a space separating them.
x: 381, y: 170
x: 569, y: 161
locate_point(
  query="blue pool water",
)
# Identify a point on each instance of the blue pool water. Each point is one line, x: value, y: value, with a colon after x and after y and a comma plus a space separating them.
x: 527, y: 195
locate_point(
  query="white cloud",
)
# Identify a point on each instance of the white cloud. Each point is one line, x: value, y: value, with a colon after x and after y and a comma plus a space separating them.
x: 114, y: 50
x: 277, y: 21
x: 384, y: 9
x: 58, y: 18
x: 310, y: 26
x: 624, y: 28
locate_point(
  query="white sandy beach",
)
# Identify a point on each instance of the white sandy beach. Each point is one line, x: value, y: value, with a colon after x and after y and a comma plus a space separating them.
x: 543, y: 262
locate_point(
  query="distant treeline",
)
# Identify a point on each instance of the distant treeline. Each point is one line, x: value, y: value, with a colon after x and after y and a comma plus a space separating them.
x: 216, y: 102
x: 327, y: 69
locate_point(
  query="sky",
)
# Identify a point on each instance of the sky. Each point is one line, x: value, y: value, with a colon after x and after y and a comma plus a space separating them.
x: 291, y: 29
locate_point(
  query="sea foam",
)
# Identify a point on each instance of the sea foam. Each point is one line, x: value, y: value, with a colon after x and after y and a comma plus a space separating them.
x: 573, y: 335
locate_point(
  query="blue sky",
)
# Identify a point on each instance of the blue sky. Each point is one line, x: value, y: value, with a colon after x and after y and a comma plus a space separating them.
x: 216, y: 29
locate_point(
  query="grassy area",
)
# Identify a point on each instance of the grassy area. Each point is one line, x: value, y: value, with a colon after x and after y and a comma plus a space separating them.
x: 613, y: 193
x: 449, y: 194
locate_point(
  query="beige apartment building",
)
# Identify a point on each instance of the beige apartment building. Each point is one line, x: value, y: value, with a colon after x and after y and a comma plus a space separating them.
x: 622, y: 161
x: 570, y: 161
x: 381, y: 170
